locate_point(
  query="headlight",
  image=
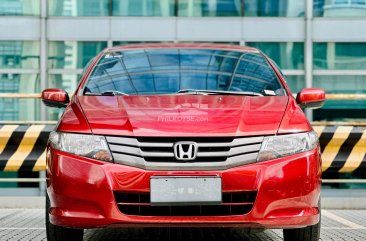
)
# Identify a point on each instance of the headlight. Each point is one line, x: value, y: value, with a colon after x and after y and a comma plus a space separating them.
x: 279, y: 146
x: 90, y: 146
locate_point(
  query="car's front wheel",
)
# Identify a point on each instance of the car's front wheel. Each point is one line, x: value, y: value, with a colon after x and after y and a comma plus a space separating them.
x: 58, y: 233
x: 310, y: 233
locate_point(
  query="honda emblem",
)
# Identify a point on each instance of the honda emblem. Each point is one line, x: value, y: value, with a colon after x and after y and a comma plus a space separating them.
x: 185, y: 151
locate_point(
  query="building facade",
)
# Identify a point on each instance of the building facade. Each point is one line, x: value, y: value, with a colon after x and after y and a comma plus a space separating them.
x: 317, y: 43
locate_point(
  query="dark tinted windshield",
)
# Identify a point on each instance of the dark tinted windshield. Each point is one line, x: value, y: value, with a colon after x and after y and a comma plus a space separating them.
x: 166, y: 71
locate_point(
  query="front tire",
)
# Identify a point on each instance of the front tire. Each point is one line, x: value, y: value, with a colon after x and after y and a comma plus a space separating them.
x: 58, y: 233
x: 310, y: 233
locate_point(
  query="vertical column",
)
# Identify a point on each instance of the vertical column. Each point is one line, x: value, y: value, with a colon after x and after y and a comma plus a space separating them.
x: 110, y: 14
x: 164, y: 8
x: 176, y: 8
x: 309, y: 50
x: 110, y: 8
x: 110, y: 41
x: 42, y: 184
x: 176, y: 16
x: 43, y: 54
x: 43, y: 75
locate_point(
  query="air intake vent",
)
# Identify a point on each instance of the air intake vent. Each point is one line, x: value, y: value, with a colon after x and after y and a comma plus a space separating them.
x: 234, y: 203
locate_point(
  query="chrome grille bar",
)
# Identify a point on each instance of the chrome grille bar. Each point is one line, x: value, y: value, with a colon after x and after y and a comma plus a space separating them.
x: 160, y: 155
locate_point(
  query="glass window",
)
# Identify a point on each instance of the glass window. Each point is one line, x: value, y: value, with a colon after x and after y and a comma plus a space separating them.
x: 19, y: 109
x: 203, y: 8
x: 19, y: 83
x: 339, y: 8
x: 68, y: 82
x: 78, y: 8
x: 339, y: 55
x: 341, y: 84
x: 71, y: 54
x: 120, y: 43
x: 161, y: 8
x: 270, y: 8
x: 54, y: 114
x: 285, y: 55
x: 295, y: 82
x: 19, y: 54
x: 162, y: 71
x: 214, y: 42
x: 20, y: 7
x: 341, y: 110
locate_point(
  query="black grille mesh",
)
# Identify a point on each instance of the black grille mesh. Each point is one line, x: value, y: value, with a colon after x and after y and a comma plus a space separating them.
x: 234, y: 203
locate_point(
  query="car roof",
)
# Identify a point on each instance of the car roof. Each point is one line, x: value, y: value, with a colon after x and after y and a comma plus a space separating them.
x: 183, y: 45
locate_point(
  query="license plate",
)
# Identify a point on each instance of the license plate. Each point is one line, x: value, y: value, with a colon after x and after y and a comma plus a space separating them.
x: 185, y: 190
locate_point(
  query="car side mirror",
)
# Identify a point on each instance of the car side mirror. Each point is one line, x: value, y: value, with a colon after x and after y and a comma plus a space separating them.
x: 55, y: 98
x: 312, y: 98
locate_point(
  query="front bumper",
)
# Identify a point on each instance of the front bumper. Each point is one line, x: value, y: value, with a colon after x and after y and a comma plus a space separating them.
x: 81, y: 193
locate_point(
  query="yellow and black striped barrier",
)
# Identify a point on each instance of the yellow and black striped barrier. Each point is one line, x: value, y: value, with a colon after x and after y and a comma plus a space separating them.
x: 22, y: 147
x: 343, y: 148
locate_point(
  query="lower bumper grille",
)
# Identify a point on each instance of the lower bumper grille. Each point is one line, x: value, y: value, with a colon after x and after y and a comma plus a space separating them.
x: 234, y: 203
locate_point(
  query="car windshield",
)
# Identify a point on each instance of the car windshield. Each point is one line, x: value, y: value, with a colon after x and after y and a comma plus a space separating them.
x: 174, y: 71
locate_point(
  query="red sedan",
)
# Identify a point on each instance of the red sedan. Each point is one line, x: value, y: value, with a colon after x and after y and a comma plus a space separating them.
x: 188, y: 135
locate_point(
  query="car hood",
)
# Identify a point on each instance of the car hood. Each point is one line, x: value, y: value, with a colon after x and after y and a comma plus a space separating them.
x: 184, y: 115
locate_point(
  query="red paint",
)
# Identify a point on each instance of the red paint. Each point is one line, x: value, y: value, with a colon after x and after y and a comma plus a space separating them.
x: 311, y: 97
x: 81, y: 192
x: 55, y: 95
x: 183, y: 115
x: 294, y: 119
x: 73, y: 120
x: 81, y: 189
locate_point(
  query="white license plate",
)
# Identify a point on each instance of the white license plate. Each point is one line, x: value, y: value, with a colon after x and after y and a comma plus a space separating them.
x: 185, y: 190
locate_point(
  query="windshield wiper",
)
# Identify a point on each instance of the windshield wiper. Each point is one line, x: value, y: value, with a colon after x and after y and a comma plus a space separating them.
x: 218, y: 92
x: 108, y: 93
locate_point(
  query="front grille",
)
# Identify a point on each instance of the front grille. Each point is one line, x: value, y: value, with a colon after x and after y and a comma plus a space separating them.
x: 157, y: 153
x: 198, y: 159
x: 233, y: 203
